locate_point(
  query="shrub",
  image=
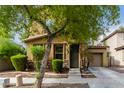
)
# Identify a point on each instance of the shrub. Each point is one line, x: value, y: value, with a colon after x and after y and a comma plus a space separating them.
x: 38, y: 52
x: 7, y: 49
x: 37, y: 65
x: 19, y: 62
x: 57, y: 65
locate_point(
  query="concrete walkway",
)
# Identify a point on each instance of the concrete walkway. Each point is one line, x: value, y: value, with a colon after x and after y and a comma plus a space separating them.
x: 74, y: 76
x: 74, y: 73
x: 106, y: 78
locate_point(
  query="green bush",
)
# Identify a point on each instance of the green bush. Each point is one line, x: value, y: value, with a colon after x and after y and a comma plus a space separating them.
x: 57, y: 65
x: 37, y: 65
x: 19, y: 62
x: 8, y: 48
x: 38, y: 52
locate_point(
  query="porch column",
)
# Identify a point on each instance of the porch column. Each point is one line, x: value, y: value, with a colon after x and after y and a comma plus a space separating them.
x: 67, y: 54
x: 105, y: 59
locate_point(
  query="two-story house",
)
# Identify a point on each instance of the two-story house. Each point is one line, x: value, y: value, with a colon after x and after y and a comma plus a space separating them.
x: 70, y: 53
x: 115, y: 41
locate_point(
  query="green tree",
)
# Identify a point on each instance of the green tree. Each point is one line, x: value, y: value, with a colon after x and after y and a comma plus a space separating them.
x: 80, y: 23
x: 38, y: 53
x: 9, y: 48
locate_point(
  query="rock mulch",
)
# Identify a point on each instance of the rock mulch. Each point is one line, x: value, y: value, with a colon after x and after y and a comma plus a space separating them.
x: 14, y: 73
x: 66, y: 85
x: 32, y: 74
x: 87, y: 74
x: 55, y: 85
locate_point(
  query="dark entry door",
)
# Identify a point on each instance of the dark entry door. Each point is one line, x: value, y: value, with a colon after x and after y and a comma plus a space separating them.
x: 74, y: 56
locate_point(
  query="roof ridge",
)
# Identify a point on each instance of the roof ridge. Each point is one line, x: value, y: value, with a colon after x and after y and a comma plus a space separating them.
x: 113, y: 33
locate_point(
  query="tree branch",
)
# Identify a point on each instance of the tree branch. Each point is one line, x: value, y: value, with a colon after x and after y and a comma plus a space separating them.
x: 55, y: 33
x: 40, y: 22
x: 37, y: 20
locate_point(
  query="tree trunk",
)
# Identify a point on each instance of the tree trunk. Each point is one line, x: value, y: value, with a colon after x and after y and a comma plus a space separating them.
x: 44, y: 63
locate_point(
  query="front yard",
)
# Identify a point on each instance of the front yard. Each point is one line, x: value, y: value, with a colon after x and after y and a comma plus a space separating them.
x: 31, y: 74
x: 105, y: 78
x: 87, y: 74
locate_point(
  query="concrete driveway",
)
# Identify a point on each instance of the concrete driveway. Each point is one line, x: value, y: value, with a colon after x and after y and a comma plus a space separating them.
x: 106, y: 78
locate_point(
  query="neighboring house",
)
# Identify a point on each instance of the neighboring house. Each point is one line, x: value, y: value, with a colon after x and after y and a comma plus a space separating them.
x: 115, y: 41
x: 70, y: 53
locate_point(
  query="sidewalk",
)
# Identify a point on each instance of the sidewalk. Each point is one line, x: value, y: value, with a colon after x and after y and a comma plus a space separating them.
x: 106, y: 78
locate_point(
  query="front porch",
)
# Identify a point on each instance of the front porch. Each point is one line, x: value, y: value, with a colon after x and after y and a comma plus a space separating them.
x: 71, y: 54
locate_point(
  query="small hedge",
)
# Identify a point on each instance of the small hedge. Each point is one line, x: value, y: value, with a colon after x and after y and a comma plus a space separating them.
x: 9, y: 48
x: 57, y: 65
x: 38, y: 52
x: 37, y: 65
x: 19, y: 62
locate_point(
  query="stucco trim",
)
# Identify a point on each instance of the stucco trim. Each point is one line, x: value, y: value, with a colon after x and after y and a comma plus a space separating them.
x: 32, y: 38
x: 98, y: 47
x: 119, y: 48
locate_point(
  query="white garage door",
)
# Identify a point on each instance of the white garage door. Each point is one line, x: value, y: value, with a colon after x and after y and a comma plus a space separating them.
x: 96, y: 60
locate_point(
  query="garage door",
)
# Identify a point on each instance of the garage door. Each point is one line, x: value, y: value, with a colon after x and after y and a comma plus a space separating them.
x: 96, y: 60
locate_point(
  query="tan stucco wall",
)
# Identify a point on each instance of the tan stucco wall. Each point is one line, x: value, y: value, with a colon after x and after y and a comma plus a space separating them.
x: 120, y: 39
x: 118, y: 58
x: 113, y: 42
x: 119, y: 54
x: 29, y: 54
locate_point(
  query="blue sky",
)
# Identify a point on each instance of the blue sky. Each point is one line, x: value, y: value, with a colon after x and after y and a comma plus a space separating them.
x: 113, y: 28
x: 121, y: 19
x: 122, y: 14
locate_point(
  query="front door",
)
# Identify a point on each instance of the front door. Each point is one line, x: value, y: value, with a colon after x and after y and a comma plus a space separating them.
x: 74, y: 56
